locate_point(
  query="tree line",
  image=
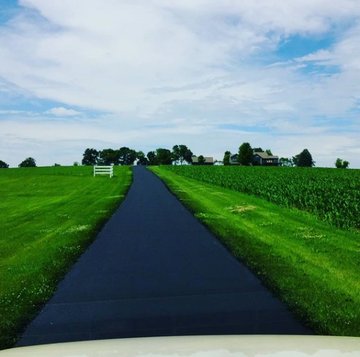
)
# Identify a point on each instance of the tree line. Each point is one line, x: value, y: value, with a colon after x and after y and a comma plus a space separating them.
x: 246, y: 156
x: 179, y: 154
x: 28, y: 162
x: 304, y: 159
x: 125, y: 156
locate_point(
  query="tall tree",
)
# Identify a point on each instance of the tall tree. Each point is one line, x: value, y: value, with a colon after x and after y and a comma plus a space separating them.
x: 268, y: 151
x: 245, y: 156
x: 295, y: 160
x: 29, y: 162
x: 126, y: 156
x: 151, y: 156
x: 182, y: 153
x: 176, y: 153
x: 188, y: 156
x: 3, y: 165
x: 305, y: 159
x: 226, y: 159
x: 90, y: 157
x: 164, y: 157
x: 109, y: 157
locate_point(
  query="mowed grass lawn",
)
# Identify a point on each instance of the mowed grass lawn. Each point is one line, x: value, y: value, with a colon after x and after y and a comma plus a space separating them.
x: 48, y: 217
x: 312, y: 266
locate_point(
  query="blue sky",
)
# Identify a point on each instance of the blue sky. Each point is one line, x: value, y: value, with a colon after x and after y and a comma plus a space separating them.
x: 297, y: 46
x: 211, y: 75
x: 8, y: 9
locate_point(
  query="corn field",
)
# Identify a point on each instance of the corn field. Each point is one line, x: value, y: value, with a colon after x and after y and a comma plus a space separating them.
x: 333, y: 195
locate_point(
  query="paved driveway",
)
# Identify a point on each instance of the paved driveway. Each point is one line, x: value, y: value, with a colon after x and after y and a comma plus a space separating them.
x: 154, y: 270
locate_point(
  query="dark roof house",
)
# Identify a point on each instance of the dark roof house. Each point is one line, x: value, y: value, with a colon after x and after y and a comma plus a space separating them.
x: 233, y: 159
x: 259, y: 159
x: 263, y: 159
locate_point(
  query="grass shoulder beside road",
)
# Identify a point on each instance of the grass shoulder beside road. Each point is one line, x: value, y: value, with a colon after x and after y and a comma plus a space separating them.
x: 49, y: 216
x: 313, y: 267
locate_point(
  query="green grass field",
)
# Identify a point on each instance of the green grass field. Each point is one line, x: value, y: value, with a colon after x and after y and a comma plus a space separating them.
x: 48, y: 218
x: 311, y: 265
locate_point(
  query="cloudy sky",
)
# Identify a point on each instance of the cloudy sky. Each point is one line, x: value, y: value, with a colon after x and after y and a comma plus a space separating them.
x: 281, y: 74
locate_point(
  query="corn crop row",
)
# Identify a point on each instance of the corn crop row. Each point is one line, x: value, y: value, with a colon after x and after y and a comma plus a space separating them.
x: 333, y: 195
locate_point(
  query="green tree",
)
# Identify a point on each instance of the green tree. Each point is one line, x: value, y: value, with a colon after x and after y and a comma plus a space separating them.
x: 188, y: 156
x: 226, y: 159
x: 201, y: 159
x: 3, y: 165
x: 284, y: 161
x: 295, y: 160
x: 151, y: 156
x: 164, y: 157
x: 305, y: 159
x: 109, y: 157
x: 268, y: 151
x: 29, y: 162
x: 340, y: 164
x: 258, y: 150
x: 245, y: 156
x: 182, y: 153
x: 90, y: 157
x: 176, y: 153
x: 126, y: 156
x: 76, y: 163
x: 141, y: 158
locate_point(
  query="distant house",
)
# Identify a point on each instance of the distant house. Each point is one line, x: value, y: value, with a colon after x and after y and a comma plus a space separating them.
x: 233, y: 159
x: 208, y: 161
x: 259, y: 159
x: 263, y: 159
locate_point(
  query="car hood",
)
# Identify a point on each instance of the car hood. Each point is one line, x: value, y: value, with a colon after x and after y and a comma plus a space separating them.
x: 198, y: 346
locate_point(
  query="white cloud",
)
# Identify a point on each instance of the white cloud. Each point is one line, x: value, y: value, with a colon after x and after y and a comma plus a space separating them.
x: 151, y: 62
x: 65, y: 141
x: 15, y: 112
x: 321, y: 55
x: 108, y: 58
x: 60, y: 111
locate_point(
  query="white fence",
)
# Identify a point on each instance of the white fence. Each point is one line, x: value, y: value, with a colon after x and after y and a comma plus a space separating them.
x: 104, y: 170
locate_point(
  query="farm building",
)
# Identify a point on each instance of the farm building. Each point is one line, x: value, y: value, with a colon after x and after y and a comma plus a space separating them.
x: 259, y: 159
x: 263, y: 159
x: 233, y: 159
x: 208, y: 161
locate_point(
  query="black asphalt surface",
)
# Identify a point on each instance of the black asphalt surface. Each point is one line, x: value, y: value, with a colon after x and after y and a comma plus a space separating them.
x: 154, y: 270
